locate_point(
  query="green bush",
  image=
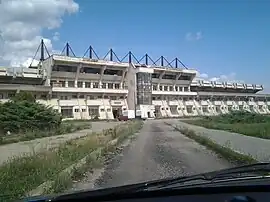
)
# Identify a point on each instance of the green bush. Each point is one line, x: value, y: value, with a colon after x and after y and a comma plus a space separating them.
x: 23, y: 113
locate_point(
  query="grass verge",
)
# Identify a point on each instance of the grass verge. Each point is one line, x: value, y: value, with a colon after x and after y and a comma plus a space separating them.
x: 246, y: 123
x: 222, y: 151
x: 24, y: 174
x: 94, y: 159
x: 259, y: 130
x: 65, y: 127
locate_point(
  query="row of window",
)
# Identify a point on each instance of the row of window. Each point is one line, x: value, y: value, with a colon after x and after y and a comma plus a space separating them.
x: 170, y: 88
x: 82, y: 84
x: 172, y: 76
x: 141, y: 95
x: 66, y: 97
x: 88, y: 97
x: 84, y: 110
x: 67, y: 112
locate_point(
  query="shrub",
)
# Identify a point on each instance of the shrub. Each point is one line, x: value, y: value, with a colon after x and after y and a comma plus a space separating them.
x: 23, y: 113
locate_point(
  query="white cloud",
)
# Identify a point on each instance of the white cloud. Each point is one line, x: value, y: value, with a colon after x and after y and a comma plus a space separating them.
x: 29, y: 62
x: 204, y: 75
x: 222, y: 78
x: 194, y: 36
x: 56, y: 36
x: 22, y: 23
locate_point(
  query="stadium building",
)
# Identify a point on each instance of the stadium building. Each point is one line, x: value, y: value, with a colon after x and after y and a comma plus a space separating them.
x: 89, y: 87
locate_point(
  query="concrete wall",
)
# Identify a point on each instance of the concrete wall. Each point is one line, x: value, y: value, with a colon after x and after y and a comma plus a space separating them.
x: 131, y: 82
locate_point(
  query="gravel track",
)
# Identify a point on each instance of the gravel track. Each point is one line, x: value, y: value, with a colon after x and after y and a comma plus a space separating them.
x: 157, y: 152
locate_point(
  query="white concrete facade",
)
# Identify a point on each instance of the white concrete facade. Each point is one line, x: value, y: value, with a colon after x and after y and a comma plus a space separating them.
x: 82, y: 88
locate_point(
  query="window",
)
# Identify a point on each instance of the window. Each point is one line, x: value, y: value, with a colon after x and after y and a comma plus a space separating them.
x: 108, y: 110
x: 79, y: 84
x: 99, y: 97
x: 154, y: 87
x: 81, y: 96
x: 71, y: 83
x: 67, y: 112
x: 76, y: 110
x: 125, y: 85
x: 184, y: 77
x: 121, y: 97
x: 54, y: 95
x: 62, y: 83
x: 160, y: 87
x: 117, y: 86
x: 113, y: 97
x: 95, y: 85
x: 169, y: 76
x: 87, y: 84
x: 110, y: 85
x: 171, y: 88
x: 103, y: 85
x: 165, y: 88
x: 93, y: 111
x: 105, y: 97
x: 64, y: 68
x: 44, y: 97
x: 83, y: 110
x: 74, y: 96
x: 102, y: 110
x: 90, y: 97
x: 64, y: 98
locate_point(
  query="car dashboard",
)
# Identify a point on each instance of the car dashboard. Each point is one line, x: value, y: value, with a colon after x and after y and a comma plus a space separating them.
x: 240, y: 197
x: 246, y: 191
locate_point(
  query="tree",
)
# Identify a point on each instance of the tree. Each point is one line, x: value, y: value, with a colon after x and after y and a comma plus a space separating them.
x: 23, y: 96
x: 23, y: 113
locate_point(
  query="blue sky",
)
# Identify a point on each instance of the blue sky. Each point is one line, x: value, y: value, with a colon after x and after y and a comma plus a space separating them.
x: 228, y: 38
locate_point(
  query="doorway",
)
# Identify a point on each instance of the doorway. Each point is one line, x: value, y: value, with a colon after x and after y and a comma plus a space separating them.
x: 115, y: 113
x: 148, y: 115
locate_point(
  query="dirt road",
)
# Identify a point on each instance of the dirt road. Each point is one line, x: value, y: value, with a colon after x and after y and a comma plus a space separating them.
x: 158, y: 152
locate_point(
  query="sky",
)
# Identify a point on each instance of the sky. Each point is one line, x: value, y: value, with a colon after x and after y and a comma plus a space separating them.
x: 223, y: 40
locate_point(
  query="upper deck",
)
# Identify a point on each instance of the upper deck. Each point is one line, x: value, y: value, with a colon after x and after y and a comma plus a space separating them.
x: 228, y: 87
x: 66, y: 67
x: 22, y: 75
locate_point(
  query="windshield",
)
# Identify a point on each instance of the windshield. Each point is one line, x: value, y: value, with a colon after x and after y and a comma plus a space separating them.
x: 99, y: 112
